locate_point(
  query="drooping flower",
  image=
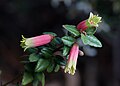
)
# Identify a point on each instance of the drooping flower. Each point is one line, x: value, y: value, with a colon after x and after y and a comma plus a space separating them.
x: 36, y: 41
x: 92, y: 21
x: 72, y: 59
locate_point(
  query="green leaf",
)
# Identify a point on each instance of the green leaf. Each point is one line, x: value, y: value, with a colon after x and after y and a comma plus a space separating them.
x: 27, y: 78
x: 32, y: 50
x: 41, y: 77
x: 56, y: 41
x: 54, y: 34
x: 57, y: 68
x: 33, y: 57
x: 60, y: 60
x: 35, y: 82
x: 46, y: 52
x: 50, y: 67
x: 91, y: 30
x: 67, y: 56
x: 72, y: 29
x: 65, y: 50
x: 90, y: 40
x: 68, y: 40
x: 42, y: 64
x: 29, y: 67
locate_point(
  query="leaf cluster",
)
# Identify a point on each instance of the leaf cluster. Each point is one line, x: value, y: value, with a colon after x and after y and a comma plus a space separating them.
x: 50, y: 57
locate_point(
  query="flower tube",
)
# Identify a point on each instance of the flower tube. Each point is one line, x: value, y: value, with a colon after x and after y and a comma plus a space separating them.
x: 72, y: 60
x: 36, y: 41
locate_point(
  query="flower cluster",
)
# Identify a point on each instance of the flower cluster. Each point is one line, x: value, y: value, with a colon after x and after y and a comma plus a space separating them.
x: 48, y: 52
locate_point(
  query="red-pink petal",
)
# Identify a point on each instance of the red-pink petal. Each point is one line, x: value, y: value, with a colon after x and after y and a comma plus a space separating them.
x: 82, y: 26
x: 41, y: 40
x: 74, y: 53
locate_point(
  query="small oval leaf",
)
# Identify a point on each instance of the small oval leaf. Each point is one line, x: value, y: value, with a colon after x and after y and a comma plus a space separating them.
x: 27, y: 78
x: 60, y: 60
x: 50, y: 67
x: 46, y: 52
x: 65, y: 50
x: 51, y: 33
x: 33, y: 57
x: 72, y: 29
x: 32, y: 50
x: 91, y: 40
x: 41, y: 77
x: 56, y: 41
x: 42, y: 64
x: 68, y: 40
x: 57, y: 68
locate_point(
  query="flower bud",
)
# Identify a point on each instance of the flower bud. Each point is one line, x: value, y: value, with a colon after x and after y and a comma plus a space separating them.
x: 82, y: 26
x: 92, y: 21
x: 81, y: 53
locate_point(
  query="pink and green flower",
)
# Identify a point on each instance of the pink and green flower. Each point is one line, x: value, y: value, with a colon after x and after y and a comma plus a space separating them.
x: 36, y: 41
x: 72, y: 60
x: 92, y: 21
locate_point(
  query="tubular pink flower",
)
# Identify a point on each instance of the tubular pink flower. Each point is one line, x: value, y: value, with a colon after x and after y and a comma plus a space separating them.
x: 36, y: 41
x: 72, y: 60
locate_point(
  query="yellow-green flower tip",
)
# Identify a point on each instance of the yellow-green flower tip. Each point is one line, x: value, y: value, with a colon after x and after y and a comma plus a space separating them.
x: 93, y: 20
x: 70, y: 70
x: 23, y: 45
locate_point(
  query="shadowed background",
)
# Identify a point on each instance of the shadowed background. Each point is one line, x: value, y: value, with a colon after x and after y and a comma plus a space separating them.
x: 99, y: 66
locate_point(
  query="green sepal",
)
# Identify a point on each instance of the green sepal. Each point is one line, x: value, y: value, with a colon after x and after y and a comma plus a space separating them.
x: 91, y: 30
